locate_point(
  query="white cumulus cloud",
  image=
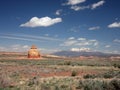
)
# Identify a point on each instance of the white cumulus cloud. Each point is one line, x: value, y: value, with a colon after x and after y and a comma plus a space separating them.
x: 69, y: 43
x: 75, y: 5
x: 74, y: 2
x: 79, y: 42
x: 77, y: 8
x: 94, y: 28
x: 41, y: 22
x: 18, y: 47
x: 95, y: 5
x: 80, y: 49
x: 58, y: 12
x: 15, y: 48
x: 114, y: 25
x: 71, y: 38
x: 82, y: 39
x: 117, y: 40
x: 107, y: 46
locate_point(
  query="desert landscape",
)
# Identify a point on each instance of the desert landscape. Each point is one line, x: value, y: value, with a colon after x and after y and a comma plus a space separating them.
x: 18, y: 72
x: 59, y: 44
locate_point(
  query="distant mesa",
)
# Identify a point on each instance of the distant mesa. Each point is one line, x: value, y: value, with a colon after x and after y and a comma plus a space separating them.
x: 82, y: 54
x: 34, y: 53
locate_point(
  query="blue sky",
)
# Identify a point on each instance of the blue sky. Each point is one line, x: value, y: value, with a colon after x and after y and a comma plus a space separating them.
x: 55, y: 25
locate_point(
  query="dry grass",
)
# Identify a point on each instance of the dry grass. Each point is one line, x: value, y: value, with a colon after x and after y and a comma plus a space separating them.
x: 57, y: 74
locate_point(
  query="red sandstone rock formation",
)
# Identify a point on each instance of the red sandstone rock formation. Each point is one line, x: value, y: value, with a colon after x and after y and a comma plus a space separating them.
x: 33, y: 52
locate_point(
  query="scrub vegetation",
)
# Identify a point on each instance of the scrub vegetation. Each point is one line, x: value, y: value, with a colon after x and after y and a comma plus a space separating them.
x: 59, y: 74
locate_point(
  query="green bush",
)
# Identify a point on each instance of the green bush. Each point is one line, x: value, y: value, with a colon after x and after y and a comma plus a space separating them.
x: 116, y: 65
x: 92, y: 85
x: 74, y: 73
x: 67, y: 63
x: 89, y: 76
x: 107, y: 75
x: 115, y: 84
x: 111, y: 74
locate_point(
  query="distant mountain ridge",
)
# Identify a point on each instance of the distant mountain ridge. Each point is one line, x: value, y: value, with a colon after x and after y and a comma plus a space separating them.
x: 83, y: 53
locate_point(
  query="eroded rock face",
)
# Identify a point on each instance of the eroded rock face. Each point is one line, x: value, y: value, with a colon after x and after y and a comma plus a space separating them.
x: 33, y: 52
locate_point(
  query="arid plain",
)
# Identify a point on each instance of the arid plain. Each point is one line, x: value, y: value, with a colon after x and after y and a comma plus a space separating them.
x: 50, y: 72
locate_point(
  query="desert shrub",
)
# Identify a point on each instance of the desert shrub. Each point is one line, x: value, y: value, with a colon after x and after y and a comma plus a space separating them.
x: 80, y: 85
x: 118, y: 76
x: 8, y: 88
x: 74, y: 73
x: 111, y: 74
x: 56, y: 84
x: 108, y: 75
x: 64, y: 87
x: 67, y: 63
x: 116, y: 65
x: 56, y: 88
x: 33, y: 81
x: 115, y: 84
x: 60, y: 63
x: 14, y: 75
x: 45, y: 87
x: 92, y: 85
x: 4, y: 81
x: 89, y: 76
